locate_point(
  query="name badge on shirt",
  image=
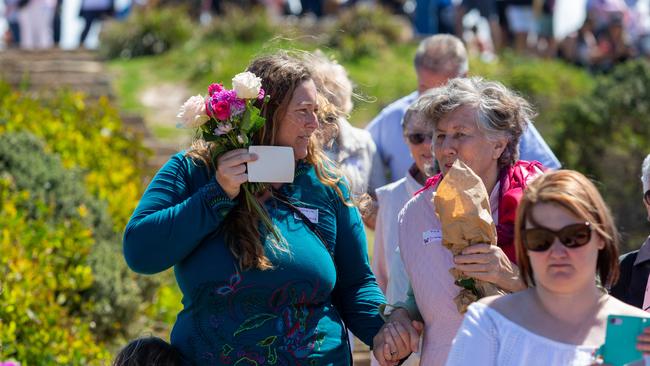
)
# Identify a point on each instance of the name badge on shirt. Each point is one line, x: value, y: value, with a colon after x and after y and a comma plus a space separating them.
x: 310, y: 213
x: 430, y: 236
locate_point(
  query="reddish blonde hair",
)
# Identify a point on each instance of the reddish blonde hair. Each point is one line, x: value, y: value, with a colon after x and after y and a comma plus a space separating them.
x: 577, y: 194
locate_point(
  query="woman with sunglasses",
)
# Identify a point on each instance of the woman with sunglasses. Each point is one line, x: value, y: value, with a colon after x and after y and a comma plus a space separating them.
x: 567, y: 250
x: 635, y: 266
x: 479, y: 122
x: 386, y: 261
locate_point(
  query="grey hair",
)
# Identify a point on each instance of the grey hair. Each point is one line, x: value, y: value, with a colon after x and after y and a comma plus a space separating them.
x: 413, y: 110
x: 645, y: 173
x: 442, y: 53
x: 500, y: 112
x: 331, y: 80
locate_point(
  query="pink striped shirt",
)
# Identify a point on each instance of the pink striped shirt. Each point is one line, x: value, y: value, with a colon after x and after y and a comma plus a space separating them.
x: 427, y: 264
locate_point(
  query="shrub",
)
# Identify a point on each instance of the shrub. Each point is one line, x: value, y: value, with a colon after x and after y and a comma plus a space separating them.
x: 606, y: 135
x: 241, y: 25
x: 45, y: 243
x: 148, y: 31
x: 548, y: 84
x: 87, y: 136
x: 364, y: 30
x: 87, y: 140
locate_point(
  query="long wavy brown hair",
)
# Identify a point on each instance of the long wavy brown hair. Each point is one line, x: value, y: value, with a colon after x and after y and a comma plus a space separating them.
x: 281, y: 74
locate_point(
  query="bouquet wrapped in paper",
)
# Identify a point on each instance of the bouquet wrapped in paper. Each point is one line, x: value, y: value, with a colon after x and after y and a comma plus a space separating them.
x: 228, y: 118
x: 463, y: 207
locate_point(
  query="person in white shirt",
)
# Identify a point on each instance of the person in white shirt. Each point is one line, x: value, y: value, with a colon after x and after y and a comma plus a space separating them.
x: 35, y: 22
x: 567, y: 245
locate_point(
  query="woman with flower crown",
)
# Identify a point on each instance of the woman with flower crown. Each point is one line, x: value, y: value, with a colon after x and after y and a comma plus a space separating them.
x: 268, y: 280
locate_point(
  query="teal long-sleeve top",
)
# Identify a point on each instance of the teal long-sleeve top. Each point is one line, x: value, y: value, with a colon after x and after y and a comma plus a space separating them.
x: 289, y: 315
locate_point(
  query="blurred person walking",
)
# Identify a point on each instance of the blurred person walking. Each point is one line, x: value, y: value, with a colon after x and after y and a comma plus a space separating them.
x: 35, y: 21
x: 92, y: 11
x: 11, y: 14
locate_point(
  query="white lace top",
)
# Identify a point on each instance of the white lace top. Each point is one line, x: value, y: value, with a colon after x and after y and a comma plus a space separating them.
x: 488, y: 338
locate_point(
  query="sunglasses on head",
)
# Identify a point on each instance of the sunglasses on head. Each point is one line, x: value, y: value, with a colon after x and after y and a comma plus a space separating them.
x: 571, y: 236
x: 646, y: 196
x: 418, y: 137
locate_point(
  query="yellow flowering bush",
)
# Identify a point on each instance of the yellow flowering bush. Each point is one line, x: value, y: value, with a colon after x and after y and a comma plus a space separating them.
x: 43, y: 272
x: 71, y: 176
x: 87, y: 136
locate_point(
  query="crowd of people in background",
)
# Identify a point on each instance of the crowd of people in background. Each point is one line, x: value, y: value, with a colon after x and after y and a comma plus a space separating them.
x: 613, y: 30
x: 555, y: 256
x: 37, y: 24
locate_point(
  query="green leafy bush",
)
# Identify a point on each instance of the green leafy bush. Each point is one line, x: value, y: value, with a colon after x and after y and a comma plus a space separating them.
x: 45, y: 242
x: 606, y: 134
x: 364, y: 30
x: 241, y: 25
x: 548, y: 84
x: 87, y: 136
x: 146, y: 32
x: 89, y: 142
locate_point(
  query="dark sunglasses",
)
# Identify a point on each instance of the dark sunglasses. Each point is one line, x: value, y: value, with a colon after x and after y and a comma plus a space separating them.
x: 571, y: 236
x: 418, y: 138
x: 646, y: 196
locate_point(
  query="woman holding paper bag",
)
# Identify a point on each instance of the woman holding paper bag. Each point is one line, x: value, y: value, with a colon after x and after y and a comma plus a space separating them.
x: 479, y: 123
x: 567, y: 248
x: 254, y: 295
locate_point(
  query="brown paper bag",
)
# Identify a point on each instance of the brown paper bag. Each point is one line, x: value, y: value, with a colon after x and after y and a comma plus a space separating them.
x: 463, y: 207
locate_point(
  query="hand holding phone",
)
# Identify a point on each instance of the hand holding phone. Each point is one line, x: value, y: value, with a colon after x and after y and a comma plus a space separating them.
x: 620, y: 346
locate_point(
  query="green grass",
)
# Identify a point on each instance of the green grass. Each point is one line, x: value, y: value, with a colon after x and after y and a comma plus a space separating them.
x: 199, y: 63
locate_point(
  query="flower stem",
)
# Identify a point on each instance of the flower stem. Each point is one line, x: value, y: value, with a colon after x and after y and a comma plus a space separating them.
x: 253, y: 204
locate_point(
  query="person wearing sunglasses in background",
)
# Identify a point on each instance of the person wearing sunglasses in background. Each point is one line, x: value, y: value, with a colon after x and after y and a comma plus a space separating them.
x: 635, y: 266
x: 479, y: 122
x: 386, y: 261
x: 567, y: 250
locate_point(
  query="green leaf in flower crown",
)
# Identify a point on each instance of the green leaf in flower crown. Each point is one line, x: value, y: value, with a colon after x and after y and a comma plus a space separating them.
x: 254, y: 322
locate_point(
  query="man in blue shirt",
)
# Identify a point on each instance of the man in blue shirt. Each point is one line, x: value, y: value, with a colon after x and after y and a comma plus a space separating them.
x: 438, y: 58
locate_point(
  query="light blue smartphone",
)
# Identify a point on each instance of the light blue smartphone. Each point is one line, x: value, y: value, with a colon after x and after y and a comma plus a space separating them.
x: 620, y: 339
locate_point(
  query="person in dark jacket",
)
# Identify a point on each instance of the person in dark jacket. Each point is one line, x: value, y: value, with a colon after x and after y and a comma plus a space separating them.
x: 635, y: 265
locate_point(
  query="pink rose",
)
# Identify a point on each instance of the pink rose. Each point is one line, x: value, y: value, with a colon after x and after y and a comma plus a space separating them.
x: 261, y: 94
x: 222, y: 110
x: 214, y: 88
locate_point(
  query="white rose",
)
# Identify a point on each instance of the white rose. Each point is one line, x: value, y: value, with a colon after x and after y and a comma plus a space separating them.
x: 192, y: 113
x: 246, y: 85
